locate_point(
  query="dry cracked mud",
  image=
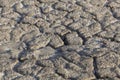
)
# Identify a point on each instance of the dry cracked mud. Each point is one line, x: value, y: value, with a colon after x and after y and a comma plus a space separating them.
x: 59, y: 39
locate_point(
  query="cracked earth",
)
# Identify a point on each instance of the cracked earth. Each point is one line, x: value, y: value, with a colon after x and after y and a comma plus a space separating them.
x: 59, y: 39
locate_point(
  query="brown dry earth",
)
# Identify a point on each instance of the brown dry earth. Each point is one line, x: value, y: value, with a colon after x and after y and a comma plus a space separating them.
x: 59, y: 39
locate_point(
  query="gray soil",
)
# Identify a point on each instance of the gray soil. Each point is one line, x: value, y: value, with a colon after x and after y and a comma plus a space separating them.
x: 59, y: 39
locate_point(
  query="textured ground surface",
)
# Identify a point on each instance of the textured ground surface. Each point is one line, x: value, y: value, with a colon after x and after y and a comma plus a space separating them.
x: 59, y: 39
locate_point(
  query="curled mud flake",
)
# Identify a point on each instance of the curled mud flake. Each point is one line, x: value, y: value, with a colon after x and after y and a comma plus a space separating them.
x: 59, y: 39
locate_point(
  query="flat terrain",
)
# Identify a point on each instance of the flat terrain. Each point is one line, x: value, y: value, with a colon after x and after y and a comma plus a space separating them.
x: 59, y: 39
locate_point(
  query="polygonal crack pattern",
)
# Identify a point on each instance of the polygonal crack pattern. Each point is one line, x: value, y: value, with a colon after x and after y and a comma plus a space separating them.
x: 59, y: 39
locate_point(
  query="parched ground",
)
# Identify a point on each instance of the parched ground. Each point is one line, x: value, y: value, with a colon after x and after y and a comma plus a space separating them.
x: 59, y: 39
